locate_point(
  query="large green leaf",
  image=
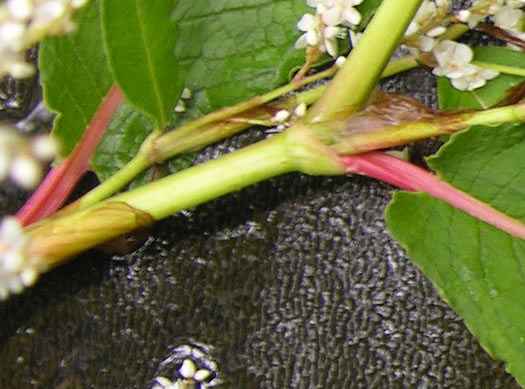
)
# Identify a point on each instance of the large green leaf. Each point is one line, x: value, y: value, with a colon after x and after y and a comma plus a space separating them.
x: 75, y: 77
x: 233, y: 50
x: 449, y: 97
x: 140, y: 38
x: 123, y: 137
x: 478, y: 269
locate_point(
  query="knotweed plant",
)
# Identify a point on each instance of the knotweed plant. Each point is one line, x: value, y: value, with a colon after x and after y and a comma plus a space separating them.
x: 190, y: 90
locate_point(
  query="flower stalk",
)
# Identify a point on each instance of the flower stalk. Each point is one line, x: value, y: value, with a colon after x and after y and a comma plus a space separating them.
x: 296, y: 149
x: 413, y: 178
x: 359, y: 74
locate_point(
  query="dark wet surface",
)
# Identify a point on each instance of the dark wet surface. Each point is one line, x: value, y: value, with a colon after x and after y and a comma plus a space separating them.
x: 292, y: 283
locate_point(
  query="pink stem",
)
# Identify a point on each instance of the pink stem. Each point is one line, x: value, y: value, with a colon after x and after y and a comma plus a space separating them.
x: 61, y: 180
x: 410, y: 177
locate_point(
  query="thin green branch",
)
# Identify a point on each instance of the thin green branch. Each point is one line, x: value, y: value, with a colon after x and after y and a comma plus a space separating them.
x: 359, y: 74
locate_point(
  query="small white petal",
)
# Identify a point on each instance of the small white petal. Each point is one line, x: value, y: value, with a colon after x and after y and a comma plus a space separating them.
x: 25, y: 171
x: 21, y: 70
x: 20, y: 9
x: 188, y: 369
x: 10, y: 229
x: 354, y: 37
x: 186, y: 94
x: 460, y: 84
x: 331, y: 47
x: 180, y: 107
x: 28, y: 276
x: 426, y: 43
x: 78, y: 3
x: 163, y: 381
x: 43, y: 147
x: 464, y: 15
x: 300, y: 110
x: 312, y: 38
x: 331, y: 32
x: 332, y: 17
x: 437, y: 31
x: 281, y: 116
x: 340, y: 61
x: 12, y: 34
x: 412, y: 28
x: 314, y: 3
x: 301, y: 42
x: 307, y: 22
x: 201, y: 375
x: 352, y: 16
x: 12, y: 261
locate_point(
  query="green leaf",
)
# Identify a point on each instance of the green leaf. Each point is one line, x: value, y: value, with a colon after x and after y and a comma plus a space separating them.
x: 478, y: 269
x: 367, y: 9
x: 140, y: 37
x: 74, y: 77
x: 449, y: 97
x: 123, y: 137
x: 233, y: 50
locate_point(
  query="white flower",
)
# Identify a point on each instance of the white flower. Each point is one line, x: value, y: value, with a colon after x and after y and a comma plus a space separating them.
x: 317, y: 34
x: 338, y: 12
x: 16, y: 270
x: 471, y: 18
x: 24, y: 23
x: 474, y: 78
x: 20, y: 9
x: 454, y: 60
x: 452, y: 57
x: 426, y: 43
x: 508, y: 18
x: 426, y: 11
x: 330, y: 35
x: 312, y: 27
x: 20, y: 156
x: 188, y: 369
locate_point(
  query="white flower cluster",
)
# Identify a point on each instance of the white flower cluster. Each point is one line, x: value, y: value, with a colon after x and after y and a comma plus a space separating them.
x: 21, y: 157
x: 423, y: 25
x: 23, y: 23
x: 331, y: 20
x: 16, y: 270
x: 506, y: 14
x: 190, y: 376
x: 454, y: 61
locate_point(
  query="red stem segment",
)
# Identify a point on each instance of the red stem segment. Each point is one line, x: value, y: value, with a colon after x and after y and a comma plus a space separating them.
x: 410, y: 177
x: 61, y: 180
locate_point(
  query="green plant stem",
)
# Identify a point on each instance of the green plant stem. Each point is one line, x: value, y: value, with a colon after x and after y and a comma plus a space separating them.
x: 228, y: 112
x: 500, y: 68
x: 296, y: 149
x: 399, y: 65
x: 412, y: 131
x: 193, y: 137
x: 138, y: 164
x: 359, y: 74
x: 454, y: 31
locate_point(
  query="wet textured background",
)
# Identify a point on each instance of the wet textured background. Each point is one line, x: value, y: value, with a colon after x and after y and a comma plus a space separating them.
x: 292, y: 283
